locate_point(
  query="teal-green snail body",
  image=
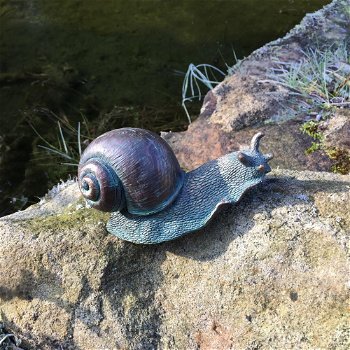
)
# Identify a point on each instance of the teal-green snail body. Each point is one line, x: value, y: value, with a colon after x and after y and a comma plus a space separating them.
x: 134, y: 174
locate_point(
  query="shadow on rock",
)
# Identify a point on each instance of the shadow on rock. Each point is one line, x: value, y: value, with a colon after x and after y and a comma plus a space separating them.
x: 234, y: 221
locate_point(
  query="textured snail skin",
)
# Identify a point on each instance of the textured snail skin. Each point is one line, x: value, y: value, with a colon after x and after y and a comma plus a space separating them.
x: 215, y: 183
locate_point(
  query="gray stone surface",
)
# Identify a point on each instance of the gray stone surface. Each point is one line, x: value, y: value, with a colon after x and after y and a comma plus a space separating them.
x: 268, y: 273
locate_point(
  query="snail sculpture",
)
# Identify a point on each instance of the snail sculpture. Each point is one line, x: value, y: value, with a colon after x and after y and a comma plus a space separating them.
x: 134, y: 174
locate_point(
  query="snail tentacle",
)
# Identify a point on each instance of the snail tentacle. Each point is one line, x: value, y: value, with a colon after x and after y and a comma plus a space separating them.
x: 255, y: 142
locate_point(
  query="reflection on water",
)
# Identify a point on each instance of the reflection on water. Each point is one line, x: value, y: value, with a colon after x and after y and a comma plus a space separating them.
x: 81, y: 57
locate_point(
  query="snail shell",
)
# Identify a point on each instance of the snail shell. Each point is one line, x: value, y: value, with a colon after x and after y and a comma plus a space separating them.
x: 131, y: 170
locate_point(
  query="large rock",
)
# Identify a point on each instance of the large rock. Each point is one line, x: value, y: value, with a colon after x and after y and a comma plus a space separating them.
x: 268, y: 273
x: 246, y: 102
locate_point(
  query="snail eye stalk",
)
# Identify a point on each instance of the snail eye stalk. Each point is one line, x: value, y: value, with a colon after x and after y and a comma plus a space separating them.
x: 243, y: 158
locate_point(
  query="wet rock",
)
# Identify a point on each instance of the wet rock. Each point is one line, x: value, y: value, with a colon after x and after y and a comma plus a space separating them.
x: 270, y: 272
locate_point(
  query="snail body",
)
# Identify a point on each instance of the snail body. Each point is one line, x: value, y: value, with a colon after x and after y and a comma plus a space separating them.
x: 134, y: 174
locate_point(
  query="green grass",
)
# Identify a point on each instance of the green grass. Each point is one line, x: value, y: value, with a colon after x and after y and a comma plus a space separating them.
x: 68, y: 143
x: 321, y: 77
x: 205, y: 76
x: 64, y: 149
x: 321, y: 82
x: 195, y: 77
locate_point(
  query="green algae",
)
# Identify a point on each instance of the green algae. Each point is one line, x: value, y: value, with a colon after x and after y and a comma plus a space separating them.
x: 67, y: 219
x: 339, y: 156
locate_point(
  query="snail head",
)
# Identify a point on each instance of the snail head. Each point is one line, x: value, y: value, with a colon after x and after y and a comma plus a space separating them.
x: 253, y: 157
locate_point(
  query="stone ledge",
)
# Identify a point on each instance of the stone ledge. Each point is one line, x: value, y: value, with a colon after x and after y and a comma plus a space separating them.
x: 252, y: 277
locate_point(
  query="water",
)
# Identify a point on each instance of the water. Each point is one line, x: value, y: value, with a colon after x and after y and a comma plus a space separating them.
x: 82, y: 57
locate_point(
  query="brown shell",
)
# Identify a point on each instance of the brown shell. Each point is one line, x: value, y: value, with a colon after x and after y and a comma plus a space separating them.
x: 146, y: 166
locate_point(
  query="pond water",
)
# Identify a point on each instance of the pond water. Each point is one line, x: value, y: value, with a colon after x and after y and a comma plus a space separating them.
x: 75, y: 58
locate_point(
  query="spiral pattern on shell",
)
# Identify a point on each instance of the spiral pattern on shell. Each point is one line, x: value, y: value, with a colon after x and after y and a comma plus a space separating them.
x: 100, y: 186
x: 131, y: 169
